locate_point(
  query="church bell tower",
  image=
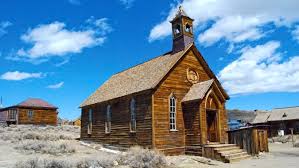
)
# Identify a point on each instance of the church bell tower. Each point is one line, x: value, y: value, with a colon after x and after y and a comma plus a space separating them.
x: 182, y: 31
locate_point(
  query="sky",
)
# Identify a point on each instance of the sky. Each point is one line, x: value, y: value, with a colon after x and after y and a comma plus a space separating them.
x: 63, y: 50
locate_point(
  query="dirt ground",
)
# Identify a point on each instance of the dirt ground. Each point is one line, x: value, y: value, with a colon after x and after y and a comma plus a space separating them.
x: 280, y: 155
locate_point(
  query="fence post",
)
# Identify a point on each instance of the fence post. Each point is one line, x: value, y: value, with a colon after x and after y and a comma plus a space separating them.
x: 292, y: 134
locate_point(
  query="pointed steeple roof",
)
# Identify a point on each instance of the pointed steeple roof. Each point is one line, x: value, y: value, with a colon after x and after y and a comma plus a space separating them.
x: 180, y: 13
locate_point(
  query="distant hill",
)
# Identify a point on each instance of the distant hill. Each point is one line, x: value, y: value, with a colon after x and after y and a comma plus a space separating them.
x: 243, y: 115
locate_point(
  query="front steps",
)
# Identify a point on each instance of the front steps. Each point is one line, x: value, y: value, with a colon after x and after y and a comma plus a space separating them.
x: 227, y: 153
x: 195, y: 150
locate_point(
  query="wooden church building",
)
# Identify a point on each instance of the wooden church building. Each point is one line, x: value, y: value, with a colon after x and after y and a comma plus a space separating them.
x: 167, y: 103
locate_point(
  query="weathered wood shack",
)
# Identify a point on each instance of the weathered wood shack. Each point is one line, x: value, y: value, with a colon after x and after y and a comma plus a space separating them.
x: 31, y: 111
x: 279, y: 119
x: 173, y: 103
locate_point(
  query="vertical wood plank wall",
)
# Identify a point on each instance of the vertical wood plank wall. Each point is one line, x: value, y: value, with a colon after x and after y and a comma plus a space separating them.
x: 40, y: 116
x: 120, y: 134
x: 252, y: 139
x: 173, y: 142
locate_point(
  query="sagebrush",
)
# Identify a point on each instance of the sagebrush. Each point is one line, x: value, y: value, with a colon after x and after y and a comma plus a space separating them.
x: 46, y: 147
x: 99, y: 162
x: 137, y: 157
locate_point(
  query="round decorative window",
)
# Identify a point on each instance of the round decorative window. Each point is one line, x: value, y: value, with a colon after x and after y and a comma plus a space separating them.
x: 192, y: 76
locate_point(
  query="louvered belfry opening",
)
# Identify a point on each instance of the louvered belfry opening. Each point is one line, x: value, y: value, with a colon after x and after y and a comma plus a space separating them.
x: 182, y: 31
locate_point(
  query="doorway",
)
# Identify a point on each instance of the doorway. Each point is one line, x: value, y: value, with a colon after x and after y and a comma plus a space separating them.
x: 212, y: 135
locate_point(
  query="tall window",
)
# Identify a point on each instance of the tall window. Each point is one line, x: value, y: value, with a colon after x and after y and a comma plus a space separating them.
x: 12, y: 114
x: 108, y: 120
x: 172, y: 113
x: 30, y: 114
x: 89, y: 128
x: 133, y: 116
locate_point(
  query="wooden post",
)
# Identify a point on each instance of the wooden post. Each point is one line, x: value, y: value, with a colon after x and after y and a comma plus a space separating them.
x: 292, y: 134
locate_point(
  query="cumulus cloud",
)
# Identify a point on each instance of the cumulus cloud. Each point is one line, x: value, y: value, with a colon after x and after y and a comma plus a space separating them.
x: 295, y: 34
x: 102, y: 26
x: 55, y: 40
x: 234, y: 21
x: 261, y: 69
x: 56, y: 86
x: 17, y: 76
x: 127, y: 3
x: 3, y: 27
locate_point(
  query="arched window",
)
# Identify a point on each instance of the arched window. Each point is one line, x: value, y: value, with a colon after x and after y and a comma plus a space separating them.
x: 172, y: 113
x: 177, y: 29
x: 133, y: 115
x: 108, y: 120
x: 89, y: 127
x: 188, y: 28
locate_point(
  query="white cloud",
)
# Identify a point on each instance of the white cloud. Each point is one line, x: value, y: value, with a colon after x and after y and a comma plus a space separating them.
x: 260, y: 69
x: 127, y: 3
x: 56, y: 86
x: 3, y: 27
x: 102, y: 26
x: 234, y: 21
x: 55, y: 40
x: 295, y: 33
x: 16, y: 75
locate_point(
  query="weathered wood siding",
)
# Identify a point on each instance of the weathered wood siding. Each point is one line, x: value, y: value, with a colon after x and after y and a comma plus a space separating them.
x: 3, y: 116
x: 176, y: 82
x: 252, y: 139
x: 120, y: 134
x: 192, y: 123
x: 40, y: 116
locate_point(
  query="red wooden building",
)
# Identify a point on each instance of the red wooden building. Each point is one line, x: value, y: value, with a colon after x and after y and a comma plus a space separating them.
x: 31, y: 111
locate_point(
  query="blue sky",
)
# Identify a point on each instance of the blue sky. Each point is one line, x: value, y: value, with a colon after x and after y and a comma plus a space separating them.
x: 63, y: 50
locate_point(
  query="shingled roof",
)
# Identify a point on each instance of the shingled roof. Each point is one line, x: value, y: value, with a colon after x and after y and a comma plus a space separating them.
x: 198, y: 91
x: 261, y: 117
x: 136, y: 79
x: 35, y: 102
x: 288, y: 113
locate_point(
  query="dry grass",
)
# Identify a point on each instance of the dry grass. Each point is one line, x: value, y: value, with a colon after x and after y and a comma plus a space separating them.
x: 46, y: 147
x: 98, y: 162
x: 137, y: 157
x: 37, y: 139
x: 57, y: 147
x: 29, y: 132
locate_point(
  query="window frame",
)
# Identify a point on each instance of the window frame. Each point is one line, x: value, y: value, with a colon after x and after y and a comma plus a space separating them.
x: 90, y: 118
x: 178, y: 27
x: 190, y: 28
x: 172, y: 113
x: 30, y: 114
x: 12, y: 114
x: 108, y: 120
x: 133, y: 123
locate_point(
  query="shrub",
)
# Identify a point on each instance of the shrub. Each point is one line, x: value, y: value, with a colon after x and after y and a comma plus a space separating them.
x: 104, y: 162
x: 137, y: 157
x: 49, y: 147
x: 47, y: 163
x: 296, y: 144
